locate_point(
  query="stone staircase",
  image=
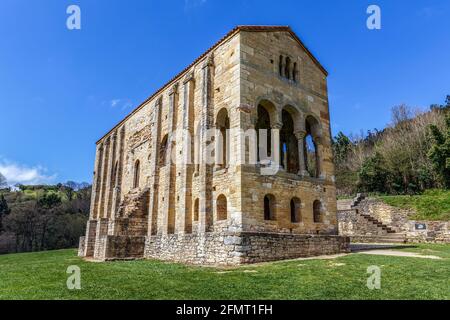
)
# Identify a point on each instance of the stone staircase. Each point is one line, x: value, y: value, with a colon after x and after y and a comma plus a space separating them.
x: 374, y: 230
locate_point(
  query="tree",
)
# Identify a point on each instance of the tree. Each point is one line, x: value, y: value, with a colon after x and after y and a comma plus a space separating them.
x: 4, y: 210
x: 49, y: 200
x: 439, y: 153
x: 341, y: 148
x: 3, y: 182
x: 446, y: 106
x: 68, y: 191
x: 373, y: 176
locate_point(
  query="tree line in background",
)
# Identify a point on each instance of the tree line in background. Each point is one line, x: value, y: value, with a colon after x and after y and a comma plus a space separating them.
x: 410, y: 155
x: 46, y: 217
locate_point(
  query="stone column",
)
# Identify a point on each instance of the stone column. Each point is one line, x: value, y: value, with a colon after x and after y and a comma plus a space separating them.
x: 319, y: 154
x: 275, y: 155
x: 300, y: 135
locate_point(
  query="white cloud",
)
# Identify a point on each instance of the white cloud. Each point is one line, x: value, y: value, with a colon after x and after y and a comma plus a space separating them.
x: 120, y: 103
x: 114, y: 102
x: 18, y: 173
x: 189, y: 4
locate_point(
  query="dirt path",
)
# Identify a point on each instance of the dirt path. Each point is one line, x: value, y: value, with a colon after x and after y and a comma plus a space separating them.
x: 396, y: 253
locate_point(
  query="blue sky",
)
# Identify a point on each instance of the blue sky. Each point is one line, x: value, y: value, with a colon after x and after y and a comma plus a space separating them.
x: 61, y: 90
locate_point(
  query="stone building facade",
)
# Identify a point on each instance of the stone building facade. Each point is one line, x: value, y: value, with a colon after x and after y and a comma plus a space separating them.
x: 264, y: 197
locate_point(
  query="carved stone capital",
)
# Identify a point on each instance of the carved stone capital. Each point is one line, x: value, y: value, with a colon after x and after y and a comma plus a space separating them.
x: 158, y: 102
x: 300, y: 134
x: 188, y: 77
x: 173, y: 89
x: 277, y: 125
x: 209, y: 61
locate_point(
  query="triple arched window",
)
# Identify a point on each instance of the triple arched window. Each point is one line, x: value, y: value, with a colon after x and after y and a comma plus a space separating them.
x: 287, y: 68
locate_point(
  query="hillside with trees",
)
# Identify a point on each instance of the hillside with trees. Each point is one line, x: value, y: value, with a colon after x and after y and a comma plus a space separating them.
x: 46, y: 217
x: 409, y: 156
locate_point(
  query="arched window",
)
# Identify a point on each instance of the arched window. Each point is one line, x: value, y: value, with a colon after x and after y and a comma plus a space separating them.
x: 163, y: 151
x: 269, y: 207
x: 295, y: 72
x: 317, y: 211
x: 223, y: 124
x: 295, y: 210
x: 137, y: 174
x: 221, y: 207
x: 311, y: 153
x: 288, y: 144
x: 196, y: 209
x: 263, y: 124
x: 287, y: 68
x: 280, y: 66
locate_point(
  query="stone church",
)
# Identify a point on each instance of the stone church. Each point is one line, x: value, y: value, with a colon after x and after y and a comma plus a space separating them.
x: 256, y: 103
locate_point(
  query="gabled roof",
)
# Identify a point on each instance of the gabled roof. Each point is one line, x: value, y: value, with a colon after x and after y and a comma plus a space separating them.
x: 250, y: 28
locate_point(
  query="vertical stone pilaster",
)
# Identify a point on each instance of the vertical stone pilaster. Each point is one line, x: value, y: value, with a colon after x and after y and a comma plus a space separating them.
x: 169, y: 192
x: 111, y: 178
x: 118, y: 178
x: 185, y: 168
x: 206, y: 170
x: 103, y: 189
x: 89, y: 246
x: 95, y: 197
x: 154, y: 178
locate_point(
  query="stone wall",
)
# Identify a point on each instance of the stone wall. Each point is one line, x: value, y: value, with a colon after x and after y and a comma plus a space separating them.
x: 352, y: 224
x: 307, y: 96
x: 233, y: 248
x: 151, y: 181
x: 397, y: 219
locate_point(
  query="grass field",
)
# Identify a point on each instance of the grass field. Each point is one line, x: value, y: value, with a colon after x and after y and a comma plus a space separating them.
x: 431, y: 205
x: 43, y: 276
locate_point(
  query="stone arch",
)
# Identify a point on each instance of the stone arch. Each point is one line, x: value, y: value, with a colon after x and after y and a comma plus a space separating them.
x: 317, y: 211
x: 137, y: 174
x: 269, y: 207
x: 266, y: 118
x: 295, y: 207
x: 313, y: 135
x: 289, y: 154
x: 223, y: 125
x: 221, y: 206
x: 195, y: 216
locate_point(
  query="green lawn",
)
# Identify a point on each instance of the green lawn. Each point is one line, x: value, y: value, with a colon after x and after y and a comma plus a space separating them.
x: 431, y: 205
x: 43, y: 276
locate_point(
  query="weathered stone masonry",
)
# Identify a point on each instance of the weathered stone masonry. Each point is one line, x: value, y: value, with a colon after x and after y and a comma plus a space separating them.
x: 148, y: 203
